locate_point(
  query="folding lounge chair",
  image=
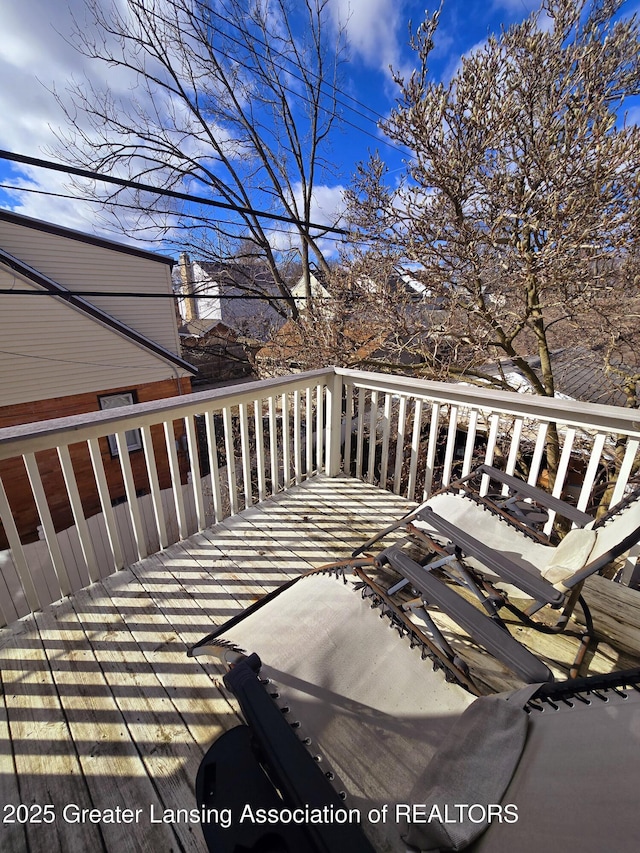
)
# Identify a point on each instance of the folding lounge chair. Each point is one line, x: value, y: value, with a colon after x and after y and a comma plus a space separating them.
x: 355, y: 741
x: 490, y: 551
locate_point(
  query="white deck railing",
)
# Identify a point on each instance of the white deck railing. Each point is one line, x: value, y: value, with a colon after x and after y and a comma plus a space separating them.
x: 249, y: 441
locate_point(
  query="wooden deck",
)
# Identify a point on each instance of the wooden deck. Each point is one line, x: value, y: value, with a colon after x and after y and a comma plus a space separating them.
x: 101, y: 708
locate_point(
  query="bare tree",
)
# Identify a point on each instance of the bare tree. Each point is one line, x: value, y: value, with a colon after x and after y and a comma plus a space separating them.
x: 231, y: 100
x: 522, y: 192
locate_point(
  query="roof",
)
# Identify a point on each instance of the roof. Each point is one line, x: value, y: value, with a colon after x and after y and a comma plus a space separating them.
x: 60, y: 231
x: 361, y: 340
x: 581, y: 374
x: 197, y: 327
x: 237, y: 296
x: 91, y: 310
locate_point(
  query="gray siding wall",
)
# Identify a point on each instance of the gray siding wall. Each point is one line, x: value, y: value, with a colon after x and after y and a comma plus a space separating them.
x: 50, y: 349
x: 85, y: 266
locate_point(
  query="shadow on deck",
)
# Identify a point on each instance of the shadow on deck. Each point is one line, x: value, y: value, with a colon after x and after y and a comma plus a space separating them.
x: 103, y: 717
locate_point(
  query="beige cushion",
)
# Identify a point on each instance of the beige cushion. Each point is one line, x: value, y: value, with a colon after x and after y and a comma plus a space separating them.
x: 570, y: 556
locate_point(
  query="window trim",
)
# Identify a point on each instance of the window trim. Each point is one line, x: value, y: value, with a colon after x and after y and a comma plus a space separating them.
x: 133, y: 436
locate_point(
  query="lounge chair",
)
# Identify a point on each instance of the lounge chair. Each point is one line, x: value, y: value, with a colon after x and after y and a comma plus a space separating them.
x: 492, y: 551
x: 360, y: 737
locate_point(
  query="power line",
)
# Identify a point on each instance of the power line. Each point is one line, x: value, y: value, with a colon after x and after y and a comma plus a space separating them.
x: 350, y: 234
x: 309, y: 71
x: 136, y: 185
x: 333, y: 88
x: 120, y: 205
x: 23, y: 291
x: 73, y: 361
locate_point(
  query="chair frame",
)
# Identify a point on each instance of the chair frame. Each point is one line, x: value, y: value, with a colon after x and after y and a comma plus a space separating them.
x: 450, y: 562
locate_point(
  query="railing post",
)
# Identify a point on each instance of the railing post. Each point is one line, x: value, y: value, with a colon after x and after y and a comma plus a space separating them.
x: 333, y: 445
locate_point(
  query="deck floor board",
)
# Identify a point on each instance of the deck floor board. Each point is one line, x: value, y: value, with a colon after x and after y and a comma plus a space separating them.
x: 102, y: 708
x: 100, y: 705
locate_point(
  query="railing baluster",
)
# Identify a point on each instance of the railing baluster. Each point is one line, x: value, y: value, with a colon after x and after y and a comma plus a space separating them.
x: 514, y: 448
x: 538, y: 453
x: 432, y: 446
x: 415, y: 448
x: 373, y: 435
x: 260, y: 463
x: 297, y: 445
x: 139, y: 538
x: 492, y: 438
x: 286, y: 445
x: 154, y: 483
x: 386, y: 433
x: 402, y: 425
x: 17, y: 552
x: 625, y: 470
x: 86, y: 546
x: 47, y: 523
x: 113, y: 534
x: 176, y: 480
x: 230, y: 459
x: 308, y: 432
x: 319, y: 428
x: 451, y: 445
x: 348, y: 427
x: 194, y: 466
x: 360, y: 433
x: 470, y: 444
x: 561, y: 476
x: 245, y: 450
x: 591, y: 472
x: 273, y: 446
x: 212, y: 445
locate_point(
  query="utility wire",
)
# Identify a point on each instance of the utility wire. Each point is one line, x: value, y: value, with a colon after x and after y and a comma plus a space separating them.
x: 74, y: 361
x: 335, y: 239
x: 333, y: 88
x: 71, y: 294
x: 309, y: 71
x: 136, y: 185
x: 121, y: 206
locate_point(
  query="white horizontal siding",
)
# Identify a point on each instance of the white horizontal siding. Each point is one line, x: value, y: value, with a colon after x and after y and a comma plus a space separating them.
x: 85, y: 266
x: 50, y: 349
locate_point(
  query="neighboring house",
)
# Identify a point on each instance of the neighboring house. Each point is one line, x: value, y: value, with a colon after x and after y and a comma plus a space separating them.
x: 319, y: 292
x: 63, y: 353
x: 404, y: 291
x: 231, y: 296
x: 579, y: 373
x: 216, y: 351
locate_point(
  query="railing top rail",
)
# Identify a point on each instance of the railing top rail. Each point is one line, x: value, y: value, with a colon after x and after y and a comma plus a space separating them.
x: 43, y: 435
x: 611, y: 419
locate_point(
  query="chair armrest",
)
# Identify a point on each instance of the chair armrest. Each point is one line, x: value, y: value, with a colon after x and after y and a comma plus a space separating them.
x: 532, y: 584
x: 301, y: 783
x: 478, y: 625
x: 518, y: 486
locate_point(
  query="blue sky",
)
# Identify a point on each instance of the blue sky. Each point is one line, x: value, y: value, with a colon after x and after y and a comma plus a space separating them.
x: 34, y: 55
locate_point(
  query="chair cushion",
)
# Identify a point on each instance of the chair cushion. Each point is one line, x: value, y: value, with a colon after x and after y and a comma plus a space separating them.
x: 570, y: 556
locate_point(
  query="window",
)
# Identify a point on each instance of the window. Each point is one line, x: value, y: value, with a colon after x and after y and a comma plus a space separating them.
x: 114, y: 401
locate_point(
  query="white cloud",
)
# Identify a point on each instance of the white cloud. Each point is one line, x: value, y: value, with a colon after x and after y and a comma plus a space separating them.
x: 633, y: 116
x: 376, y: 29
x: 327, y: 207
x: 34, y: 57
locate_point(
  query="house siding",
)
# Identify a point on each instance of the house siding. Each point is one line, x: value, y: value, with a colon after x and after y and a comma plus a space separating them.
x: 48, y: 346
x: 80, y: 265
x: 13, y: 473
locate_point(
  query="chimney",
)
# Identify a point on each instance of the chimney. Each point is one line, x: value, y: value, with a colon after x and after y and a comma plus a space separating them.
x: 186, y: 282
